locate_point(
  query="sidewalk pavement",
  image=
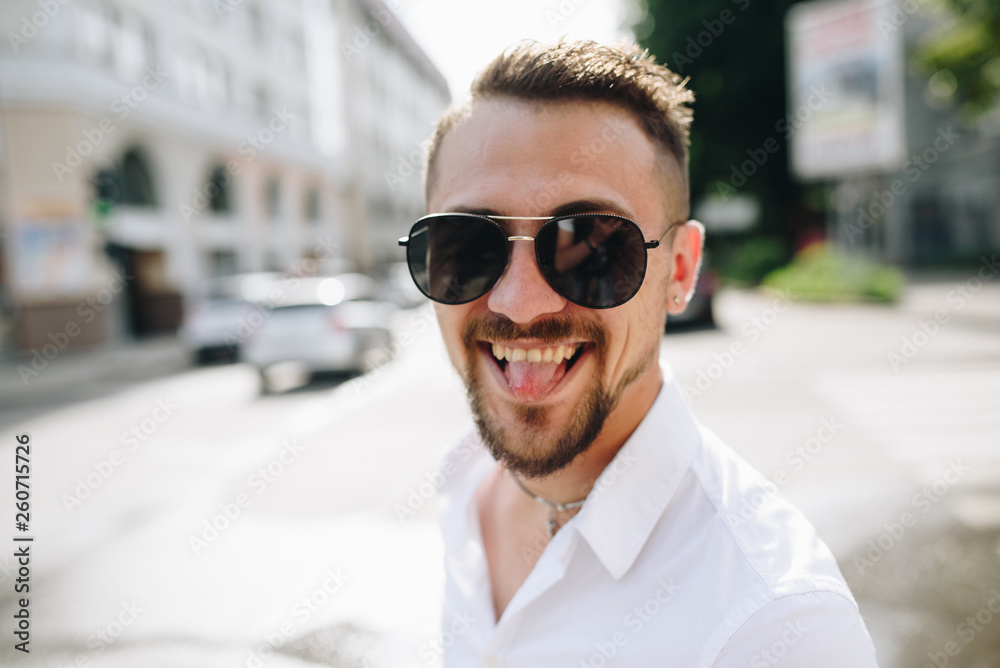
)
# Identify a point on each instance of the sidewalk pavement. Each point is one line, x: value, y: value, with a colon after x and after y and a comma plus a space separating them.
x: 973, y: 301
x: 32, y: 381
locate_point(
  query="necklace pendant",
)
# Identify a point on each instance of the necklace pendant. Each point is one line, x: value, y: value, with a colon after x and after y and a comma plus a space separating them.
x: 550, y: 524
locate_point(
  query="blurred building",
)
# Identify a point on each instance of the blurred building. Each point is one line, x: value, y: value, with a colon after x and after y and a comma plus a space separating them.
x: 396, y: 96
x: 149, y: 146
x: 911, y: 181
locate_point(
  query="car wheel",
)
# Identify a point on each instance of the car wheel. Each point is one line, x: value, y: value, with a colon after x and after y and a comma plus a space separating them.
x: 264, y: 386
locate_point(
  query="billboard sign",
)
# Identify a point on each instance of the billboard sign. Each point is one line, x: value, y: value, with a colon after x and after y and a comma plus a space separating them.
x: 851, y: 51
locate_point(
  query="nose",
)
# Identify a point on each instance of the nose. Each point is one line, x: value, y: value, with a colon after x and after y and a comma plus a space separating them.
x: 522, y: 293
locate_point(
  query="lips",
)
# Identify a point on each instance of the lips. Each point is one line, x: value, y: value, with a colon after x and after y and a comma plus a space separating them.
x: 532, y: 373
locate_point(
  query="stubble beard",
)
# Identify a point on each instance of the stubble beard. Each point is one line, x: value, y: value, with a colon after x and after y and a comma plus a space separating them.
x: 525, y: 445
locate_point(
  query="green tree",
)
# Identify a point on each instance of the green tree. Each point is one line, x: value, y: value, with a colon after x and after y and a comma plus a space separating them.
x: 967, y: 46
x: 734, y: 53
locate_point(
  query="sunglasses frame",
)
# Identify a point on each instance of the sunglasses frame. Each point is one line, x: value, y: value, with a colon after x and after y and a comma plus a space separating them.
x: 549, y: 220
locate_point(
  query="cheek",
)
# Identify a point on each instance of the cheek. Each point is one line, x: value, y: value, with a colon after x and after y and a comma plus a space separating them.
x: 658, y: 271
x: 654, y: 292
x: 450, y: 320
x: 619, y: 330
x: 634, y: 334
x: 654, y: 313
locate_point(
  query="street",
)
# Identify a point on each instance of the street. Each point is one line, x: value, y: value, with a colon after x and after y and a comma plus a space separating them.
x: 189, y: 520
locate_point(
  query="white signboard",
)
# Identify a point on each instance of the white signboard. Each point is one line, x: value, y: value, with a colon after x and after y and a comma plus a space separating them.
x: 50, y: 258
x: 846, y: 88
x: 735, y: 213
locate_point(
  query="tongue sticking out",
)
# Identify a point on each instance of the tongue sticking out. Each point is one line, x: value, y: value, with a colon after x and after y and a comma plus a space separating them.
x: 532, y: 381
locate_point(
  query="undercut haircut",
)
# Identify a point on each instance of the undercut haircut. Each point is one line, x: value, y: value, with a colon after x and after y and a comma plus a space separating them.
x: 621, y: 74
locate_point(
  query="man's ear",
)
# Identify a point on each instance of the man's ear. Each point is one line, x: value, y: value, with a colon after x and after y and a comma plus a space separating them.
x: 685, y: 262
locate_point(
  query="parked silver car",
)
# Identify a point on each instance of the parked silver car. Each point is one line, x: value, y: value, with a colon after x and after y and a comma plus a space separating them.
x: 398, y: 287
x: 332, y: 324
x: 215, y: 324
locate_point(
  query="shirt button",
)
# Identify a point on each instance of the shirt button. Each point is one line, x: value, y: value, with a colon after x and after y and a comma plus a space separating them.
x: 490, y: 661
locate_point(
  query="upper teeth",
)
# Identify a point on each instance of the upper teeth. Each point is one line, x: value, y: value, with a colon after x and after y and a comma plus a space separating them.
x: 555, y: 354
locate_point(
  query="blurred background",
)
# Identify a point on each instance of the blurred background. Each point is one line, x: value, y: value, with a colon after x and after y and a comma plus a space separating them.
x: 237, y: 399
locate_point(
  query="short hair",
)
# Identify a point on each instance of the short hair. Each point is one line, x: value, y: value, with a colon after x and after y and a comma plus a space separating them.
x: 621, y: 74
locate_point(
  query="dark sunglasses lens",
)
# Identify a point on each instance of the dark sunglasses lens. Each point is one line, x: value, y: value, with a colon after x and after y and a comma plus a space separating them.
x: 593, y: 261
x: 456, y: 259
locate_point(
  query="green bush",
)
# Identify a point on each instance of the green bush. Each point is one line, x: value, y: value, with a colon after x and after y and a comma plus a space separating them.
x: 825, y: 273
x: 753, y: 259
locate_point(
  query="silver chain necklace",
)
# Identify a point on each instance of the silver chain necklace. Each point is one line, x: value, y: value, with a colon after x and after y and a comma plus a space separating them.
x: 550, y: 524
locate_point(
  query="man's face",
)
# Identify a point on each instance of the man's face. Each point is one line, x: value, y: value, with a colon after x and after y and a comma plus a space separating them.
x: 514, y: 158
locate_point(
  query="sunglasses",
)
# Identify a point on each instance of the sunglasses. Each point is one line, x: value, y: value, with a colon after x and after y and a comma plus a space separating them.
x: 596, y: 260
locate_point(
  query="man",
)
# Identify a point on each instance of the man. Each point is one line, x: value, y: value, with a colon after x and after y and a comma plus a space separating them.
x: 589, y: 520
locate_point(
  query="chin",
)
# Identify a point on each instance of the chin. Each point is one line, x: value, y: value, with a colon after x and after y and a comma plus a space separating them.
x: 538, y: 439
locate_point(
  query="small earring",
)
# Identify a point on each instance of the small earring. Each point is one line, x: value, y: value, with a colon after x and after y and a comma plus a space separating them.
x: 677, y: 299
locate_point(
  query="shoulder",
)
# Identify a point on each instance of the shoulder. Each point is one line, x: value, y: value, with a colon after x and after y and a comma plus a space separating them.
x: 820, y: 629
x: 774, y: 538
x: 793, y: 597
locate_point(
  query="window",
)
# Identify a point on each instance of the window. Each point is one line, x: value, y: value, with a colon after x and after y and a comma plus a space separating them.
x: 137, y: 183
x: 312, y: 212
x: 273, y: 195
x: 261, y: 102
x: 218, y: 191
x: 203, y: 78
x: 223, y: 262
x: 136, y: 49
x: 96, y: 33
x: 128, y: 182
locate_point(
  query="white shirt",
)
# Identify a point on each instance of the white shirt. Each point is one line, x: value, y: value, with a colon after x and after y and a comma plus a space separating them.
x: 682, y: 555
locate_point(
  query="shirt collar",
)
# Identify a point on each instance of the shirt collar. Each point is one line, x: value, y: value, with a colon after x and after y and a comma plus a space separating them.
x: 632, y: 493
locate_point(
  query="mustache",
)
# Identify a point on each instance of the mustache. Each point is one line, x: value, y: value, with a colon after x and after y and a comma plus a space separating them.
x: 556, y: 328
